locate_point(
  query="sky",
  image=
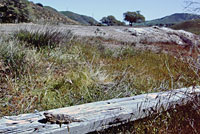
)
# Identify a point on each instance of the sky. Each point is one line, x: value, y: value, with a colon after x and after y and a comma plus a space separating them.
x: 151, y: 9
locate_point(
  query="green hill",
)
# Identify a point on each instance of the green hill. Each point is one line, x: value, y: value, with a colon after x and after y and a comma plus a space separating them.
x: 191, y: 26
x: 50, y: 8
x: 85, y: 20
x: 17, y: 11
x: 171, y: 19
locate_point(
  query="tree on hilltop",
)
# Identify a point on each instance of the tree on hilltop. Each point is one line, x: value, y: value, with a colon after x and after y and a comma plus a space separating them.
x: 133, y: 17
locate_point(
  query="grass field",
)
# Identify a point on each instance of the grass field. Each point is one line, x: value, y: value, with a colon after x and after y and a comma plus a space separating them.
x: 46, y: 70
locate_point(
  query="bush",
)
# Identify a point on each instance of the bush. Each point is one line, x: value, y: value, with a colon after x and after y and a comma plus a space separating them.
x: 39, y: 4
x: 42, y: 38
x: 111, y: 21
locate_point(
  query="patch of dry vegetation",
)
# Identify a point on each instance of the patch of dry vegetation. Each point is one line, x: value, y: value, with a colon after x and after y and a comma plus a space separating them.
x: 35, y: 75
x: 192, y: 26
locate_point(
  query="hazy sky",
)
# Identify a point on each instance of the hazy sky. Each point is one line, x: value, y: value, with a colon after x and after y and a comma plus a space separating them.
x: 151, y: 9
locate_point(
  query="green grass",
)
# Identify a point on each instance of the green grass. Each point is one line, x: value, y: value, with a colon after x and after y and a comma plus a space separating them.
x: 85, y: 20
x: 74, y: 72
x: 41, y: 38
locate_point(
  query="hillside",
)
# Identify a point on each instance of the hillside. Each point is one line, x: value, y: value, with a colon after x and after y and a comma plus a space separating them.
x: 16, y: 11
x: 190, y: 26
x: 171, y: 19
x: 50, y: 8
x: 85, y: 20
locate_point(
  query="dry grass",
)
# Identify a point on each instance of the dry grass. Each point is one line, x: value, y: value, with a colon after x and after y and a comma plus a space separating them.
x: 74, y: 72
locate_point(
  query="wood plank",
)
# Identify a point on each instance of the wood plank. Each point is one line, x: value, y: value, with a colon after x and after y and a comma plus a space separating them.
x: 98, y: 115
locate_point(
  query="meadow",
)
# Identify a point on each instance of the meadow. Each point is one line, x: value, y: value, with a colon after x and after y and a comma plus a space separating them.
x: 42, y: 70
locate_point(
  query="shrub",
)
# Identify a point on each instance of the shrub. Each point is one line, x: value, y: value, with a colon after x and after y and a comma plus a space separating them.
x: 39, y: 4
x: 111, y: 21
x: 42, y: 38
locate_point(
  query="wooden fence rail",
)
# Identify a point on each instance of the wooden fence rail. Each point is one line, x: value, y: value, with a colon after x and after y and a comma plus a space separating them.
x: 98, y: 115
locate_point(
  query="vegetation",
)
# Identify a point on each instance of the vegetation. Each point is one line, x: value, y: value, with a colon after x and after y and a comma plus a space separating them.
x: 42, y: 38
x: 45, y: 69
x: 134, y: 17
x: 111, y: 21
x: 73, y: 72
x: 192, y: 26
x: 39, y: 4
x: 85, y: 20
x: 170, y: 20
x: 16, y: 11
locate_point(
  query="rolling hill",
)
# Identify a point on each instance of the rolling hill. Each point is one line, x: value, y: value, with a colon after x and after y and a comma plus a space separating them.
x: 171, y: 19
x: 190, y: 26
x: 85, y: 20
x: 17, y: 11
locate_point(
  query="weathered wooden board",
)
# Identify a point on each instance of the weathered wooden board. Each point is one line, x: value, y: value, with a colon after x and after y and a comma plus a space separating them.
x: 97, y: 115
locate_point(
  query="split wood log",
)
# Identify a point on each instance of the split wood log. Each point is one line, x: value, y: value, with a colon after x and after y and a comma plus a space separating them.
x: 98, y: 115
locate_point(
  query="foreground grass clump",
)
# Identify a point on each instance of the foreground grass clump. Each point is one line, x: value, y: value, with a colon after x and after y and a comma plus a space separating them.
x: 44, y: 37
x: 74, y: 72
x: 12, y: 56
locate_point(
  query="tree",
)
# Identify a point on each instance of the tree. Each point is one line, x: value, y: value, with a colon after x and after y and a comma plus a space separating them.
x: 39, y: 4
x: 192, y: 5
x: 111, y: 21
x: 133, y: 17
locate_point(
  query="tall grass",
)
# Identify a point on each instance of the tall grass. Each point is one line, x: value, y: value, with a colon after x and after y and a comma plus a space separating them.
x: 76, y: 72
x: 13, y: 56
x: 44, y: 37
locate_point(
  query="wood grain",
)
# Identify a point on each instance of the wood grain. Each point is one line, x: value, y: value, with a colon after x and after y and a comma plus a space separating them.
x: 98, y: 115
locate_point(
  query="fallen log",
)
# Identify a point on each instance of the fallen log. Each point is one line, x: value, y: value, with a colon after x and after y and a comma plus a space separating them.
x: 98, y: 115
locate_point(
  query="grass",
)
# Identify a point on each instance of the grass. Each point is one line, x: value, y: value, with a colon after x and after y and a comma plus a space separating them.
x: 44, y: 37
x: 39, y: 71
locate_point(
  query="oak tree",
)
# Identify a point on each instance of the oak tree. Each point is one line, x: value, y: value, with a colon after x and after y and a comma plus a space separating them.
x: 133, y: 17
